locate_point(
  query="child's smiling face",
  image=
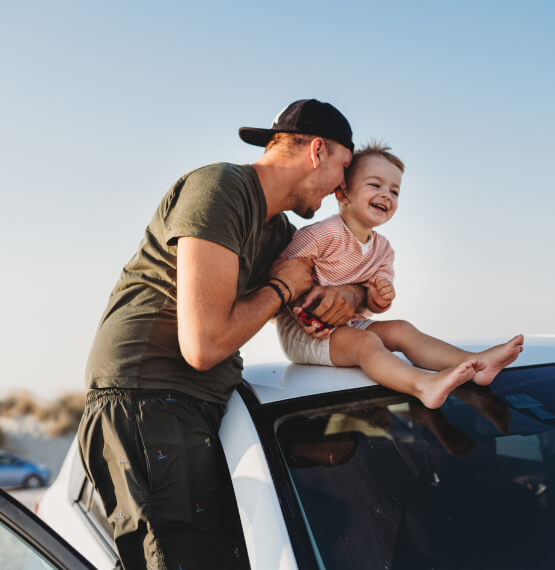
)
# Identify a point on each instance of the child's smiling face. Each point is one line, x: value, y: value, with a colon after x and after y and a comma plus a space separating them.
x: 372, y: 195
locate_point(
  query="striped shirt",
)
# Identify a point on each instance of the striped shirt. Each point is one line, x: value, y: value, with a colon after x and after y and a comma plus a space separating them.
x: 339, y: 257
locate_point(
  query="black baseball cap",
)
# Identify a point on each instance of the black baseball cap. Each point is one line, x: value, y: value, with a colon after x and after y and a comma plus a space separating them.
x: 304, y: 117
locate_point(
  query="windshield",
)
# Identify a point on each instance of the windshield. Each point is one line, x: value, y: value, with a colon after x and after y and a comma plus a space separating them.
x: 387, y: 483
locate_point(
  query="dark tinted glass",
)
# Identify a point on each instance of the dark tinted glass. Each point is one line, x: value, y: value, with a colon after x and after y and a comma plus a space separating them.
x: 387, y: 483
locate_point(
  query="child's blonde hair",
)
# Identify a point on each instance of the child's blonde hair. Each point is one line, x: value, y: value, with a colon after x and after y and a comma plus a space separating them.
x: 374, y: 148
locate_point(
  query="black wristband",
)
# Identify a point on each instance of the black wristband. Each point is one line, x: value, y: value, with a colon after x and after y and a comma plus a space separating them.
x: 284, y: 284
x: 279, y: 292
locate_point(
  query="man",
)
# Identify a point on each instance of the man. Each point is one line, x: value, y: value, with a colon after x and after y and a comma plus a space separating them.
x: 165, y: 357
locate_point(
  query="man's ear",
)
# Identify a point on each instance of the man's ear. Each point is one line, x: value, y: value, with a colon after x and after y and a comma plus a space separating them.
x: 317, y: 150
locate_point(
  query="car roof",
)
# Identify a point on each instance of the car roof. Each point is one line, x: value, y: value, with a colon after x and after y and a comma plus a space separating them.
x: 280, y: 381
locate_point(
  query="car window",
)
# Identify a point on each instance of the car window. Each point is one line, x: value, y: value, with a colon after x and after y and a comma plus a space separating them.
x: 6, y: 460
x: 27, y: 542
x: 90, y: 503
x: 17, y: 554
x: 383, y: 482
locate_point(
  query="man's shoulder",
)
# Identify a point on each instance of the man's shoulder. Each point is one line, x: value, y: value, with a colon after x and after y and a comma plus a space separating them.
x: 212, y: 183
x: 220, y: 171
x: 222, y: 167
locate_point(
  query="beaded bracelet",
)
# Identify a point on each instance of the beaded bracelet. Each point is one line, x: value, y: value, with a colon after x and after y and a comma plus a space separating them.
x: 279, y: 292
x: 285, y: 285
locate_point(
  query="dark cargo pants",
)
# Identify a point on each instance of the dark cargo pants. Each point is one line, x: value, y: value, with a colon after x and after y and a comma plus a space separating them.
x: 156, y: 461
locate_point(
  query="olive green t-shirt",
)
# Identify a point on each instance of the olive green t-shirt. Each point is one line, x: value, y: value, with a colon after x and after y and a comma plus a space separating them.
x: 136, y: 343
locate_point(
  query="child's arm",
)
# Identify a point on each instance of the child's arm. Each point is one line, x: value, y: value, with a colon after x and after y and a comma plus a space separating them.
x: 380, y: 294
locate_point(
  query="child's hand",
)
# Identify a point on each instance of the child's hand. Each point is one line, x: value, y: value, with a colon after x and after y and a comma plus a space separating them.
x: 381, y: 292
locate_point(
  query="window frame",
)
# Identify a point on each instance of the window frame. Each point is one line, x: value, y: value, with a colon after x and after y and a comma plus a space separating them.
x: 40, y: 537
x: 264, y: 417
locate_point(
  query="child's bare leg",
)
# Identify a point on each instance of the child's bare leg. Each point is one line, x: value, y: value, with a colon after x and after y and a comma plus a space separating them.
x: 353, y: 347
x: 421, y: 349
x: 431, y: 353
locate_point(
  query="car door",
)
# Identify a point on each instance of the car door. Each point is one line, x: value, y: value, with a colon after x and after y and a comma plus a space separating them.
x: 26, y: 542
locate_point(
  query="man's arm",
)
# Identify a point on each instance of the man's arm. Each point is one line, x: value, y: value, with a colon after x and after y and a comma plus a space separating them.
x: 211, y: 323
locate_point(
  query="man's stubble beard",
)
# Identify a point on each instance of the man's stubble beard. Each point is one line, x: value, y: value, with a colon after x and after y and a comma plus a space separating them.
x: 306, y: 214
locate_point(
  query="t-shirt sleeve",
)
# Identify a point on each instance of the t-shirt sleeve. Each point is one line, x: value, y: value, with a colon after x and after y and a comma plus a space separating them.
x: 207, y: 205
x: 303, y: 244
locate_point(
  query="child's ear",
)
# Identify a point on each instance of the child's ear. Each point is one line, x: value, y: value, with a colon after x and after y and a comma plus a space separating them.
x: 341, y: 196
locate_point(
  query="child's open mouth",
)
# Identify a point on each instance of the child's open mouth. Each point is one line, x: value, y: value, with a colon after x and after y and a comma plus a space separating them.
x: 378, y: 206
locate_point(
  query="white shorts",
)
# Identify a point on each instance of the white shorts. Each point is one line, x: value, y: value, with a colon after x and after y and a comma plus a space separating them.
x: 302, y: 348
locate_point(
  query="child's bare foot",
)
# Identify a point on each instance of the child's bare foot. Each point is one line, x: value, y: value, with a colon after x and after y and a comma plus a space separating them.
x: 438, y: 385
x: 496, y: 358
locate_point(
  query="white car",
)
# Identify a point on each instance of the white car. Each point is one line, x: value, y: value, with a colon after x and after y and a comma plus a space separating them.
x: 333, y: 471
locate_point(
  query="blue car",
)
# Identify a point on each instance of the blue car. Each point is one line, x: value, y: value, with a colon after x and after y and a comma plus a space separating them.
x: 17, y: 472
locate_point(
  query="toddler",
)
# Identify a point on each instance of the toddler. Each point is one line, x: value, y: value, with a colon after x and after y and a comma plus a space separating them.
x: 346, y: 249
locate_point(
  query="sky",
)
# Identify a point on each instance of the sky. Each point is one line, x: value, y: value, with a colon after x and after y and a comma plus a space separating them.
x: 105, y: 104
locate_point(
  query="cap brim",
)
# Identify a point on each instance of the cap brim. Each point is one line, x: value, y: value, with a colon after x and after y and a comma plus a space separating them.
x: 261, y: 137
x: 258, y: 137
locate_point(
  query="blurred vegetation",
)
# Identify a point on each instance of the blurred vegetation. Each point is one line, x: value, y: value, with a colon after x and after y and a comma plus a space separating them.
x: 60, y: 417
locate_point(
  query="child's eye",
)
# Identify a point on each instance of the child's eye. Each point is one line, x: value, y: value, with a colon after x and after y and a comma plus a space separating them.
x: 395, y: 192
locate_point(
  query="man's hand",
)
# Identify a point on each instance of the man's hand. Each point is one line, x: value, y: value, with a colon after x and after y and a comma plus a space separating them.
x: 296, y: 272
x: 336, y: 307
x: 380, y: 294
